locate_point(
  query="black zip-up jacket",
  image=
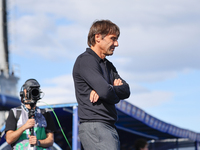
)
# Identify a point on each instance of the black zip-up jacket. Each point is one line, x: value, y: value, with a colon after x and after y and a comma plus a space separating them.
x: 88, y: 76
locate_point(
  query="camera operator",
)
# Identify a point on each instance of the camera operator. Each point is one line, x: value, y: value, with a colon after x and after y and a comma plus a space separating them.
x: 27, y: 126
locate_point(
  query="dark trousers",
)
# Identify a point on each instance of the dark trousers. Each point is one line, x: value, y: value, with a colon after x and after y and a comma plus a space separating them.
x: 98, y: 136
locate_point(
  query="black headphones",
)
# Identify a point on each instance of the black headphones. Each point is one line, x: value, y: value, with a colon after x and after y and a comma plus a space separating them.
x: 30, y: 83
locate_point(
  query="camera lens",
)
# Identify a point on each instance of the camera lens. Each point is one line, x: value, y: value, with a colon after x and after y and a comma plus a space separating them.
x: 35, y: 94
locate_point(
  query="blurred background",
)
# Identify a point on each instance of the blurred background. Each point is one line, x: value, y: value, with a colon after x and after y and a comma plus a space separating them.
x: 158, y: 53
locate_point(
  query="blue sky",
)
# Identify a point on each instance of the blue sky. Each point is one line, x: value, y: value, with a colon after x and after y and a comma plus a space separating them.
x: 158, y: 53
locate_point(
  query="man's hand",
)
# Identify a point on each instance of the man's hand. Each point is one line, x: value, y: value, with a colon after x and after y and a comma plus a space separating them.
x: 117, y: 82
x: 32, y: 139
x: 29, y: 124
x: 12, y: 136
x: 94, y: 96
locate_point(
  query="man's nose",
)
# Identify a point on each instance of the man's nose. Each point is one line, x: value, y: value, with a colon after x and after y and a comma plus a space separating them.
x: 116, y: 43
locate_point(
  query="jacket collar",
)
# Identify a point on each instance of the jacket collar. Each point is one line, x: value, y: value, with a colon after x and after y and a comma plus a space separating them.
x: 90, y: 51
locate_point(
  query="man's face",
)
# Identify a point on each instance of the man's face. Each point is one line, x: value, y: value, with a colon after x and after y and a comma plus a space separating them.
x: 145, y: 148
x: 27, y: 100
x: 108, y: 44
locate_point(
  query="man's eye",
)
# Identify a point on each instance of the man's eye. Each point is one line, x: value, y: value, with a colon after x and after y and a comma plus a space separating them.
x: 114, y: 39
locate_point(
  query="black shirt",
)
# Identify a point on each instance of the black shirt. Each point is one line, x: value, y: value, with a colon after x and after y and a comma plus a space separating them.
x: 88, y: 75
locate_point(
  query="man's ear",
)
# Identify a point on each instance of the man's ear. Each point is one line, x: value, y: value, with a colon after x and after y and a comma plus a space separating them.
x: 98, y: 37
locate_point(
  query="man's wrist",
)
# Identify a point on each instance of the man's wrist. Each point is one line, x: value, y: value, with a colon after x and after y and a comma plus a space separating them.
x: 38, y: 143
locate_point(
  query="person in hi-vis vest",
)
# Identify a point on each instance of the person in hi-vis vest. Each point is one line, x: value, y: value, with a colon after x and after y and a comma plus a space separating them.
x: 27, y: 126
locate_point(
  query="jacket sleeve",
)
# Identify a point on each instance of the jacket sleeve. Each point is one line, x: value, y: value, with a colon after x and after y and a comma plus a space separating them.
x: 91, y: 73
x: 122, y: 91
x: 50, y: 123
x: 11, y: 123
